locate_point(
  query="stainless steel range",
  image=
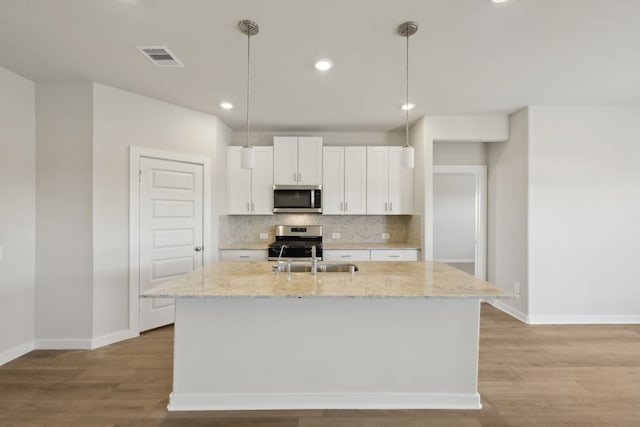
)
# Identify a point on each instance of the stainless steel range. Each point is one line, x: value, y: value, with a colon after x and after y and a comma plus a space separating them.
x: 296, y: 242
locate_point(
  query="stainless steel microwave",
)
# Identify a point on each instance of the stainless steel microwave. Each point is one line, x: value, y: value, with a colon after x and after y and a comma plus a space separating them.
x: 297, y: 199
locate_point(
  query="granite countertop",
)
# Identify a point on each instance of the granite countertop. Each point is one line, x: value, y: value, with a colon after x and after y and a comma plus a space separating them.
x: 374, y: 280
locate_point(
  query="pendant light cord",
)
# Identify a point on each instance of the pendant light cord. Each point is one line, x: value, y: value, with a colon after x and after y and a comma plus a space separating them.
x: 248, y: 80
x: 407, y: 98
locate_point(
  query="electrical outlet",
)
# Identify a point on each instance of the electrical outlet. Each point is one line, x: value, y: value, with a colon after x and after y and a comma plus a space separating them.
x: 516, y: 288
x: 335, y: 235
x: 264, y: 236
x: 386, y: 236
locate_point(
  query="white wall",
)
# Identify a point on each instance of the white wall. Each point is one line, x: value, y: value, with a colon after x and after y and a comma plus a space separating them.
x: 507, y: 216
x: 452, y: 129
x: 17, y: 215
x: 470, y: 128
x: 64, y: 261
x: 454, y: 217
x: 584, y: 214
x: 460, y: 153
x: 122, y: 119
x: 422, y: 190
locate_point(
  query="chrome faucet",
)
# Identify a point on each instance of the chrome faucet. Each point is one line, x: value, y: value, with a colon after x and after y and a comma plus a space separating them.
x: 282, y: 248
x: 314, y: 261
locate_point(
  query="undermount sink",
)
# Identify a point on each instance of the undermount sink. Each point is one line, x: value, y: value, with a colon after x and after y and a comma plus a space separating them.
x: 322, y: 268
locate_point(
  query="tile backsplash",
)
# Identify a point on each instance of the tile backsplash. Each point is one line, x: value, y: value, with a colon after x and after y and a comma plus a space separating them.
x: 352, y: 228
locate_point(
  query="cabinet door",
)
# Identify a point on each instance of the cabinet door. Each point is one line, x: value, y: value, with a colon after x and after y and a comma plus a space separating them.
x: 262, y: 182
x: 355, y: 180
x: 243, y: 254
x: 333, y: 180
x: 400, y: 184
x: 394, y: 255
x: 285, y: 160
x: 238, y: 184
x: 345, y: 255
x: 377, y: 180
x: 310, y: 160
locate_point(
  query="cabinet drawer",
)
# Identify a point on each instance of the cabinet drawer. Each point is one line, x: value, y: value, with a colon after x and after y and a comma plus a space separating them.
x: 394, y: 255
x: 345, y: 254
x: 243, y: 255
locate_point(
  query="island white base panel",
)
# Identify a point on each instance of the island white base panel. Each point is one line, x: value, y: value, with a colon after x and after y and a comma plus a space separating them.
x: 325, y: 353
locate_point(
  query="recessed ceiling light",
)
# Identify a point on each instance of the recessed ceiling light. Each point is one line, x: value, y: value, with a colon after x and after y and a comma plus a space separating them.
x: 226, y: 105
x: 499, y: 1
x: 324, y: 64
x: 408, y: 106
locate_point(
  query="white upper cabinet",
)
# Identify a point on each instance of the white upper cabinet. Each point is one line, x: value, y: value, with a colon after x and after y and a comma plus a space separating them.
x: 355, y: 180
x: 389, y: 182
x: 333, y: 181
x: 344, y: 180
x: 297, y: 160
x: 250, y: 191
x: 285, y: 160
x: 400, y: 184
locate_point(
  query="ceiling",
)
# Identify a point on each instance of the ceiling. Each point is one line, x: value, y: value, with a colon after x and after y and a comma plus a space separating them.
x: 468, y: 56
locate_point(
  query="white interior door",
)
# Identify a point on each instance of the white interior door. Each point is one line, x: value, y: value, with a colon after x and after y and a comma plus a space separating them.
x: 171, y: 230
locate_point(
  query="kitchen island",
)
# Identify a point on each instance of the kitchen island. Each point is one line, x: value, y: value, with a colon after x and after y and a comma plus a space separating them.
x: 392, y: 335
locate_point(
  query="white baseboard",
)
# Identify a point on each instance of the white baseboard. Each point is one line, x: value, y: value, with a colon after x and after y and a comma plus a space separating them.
x: 583, y: 319
x: 63, y: 344
x: 84, y: 344
x: 510, y: 310
x: 566, y: 319
x: 17, y: 351
x: 113, y: 338
x: 297, y: 401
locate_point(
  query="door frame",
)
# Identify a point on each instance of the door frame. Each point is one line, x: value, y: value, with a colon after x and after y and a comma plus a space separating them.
x: 135, y: 154
x: 479, y: 172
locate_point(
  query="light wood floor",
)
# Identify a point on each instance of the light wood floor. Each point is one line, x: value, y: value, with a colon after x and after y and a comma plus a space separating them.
x: 467, y: 267
x: 548, y: 376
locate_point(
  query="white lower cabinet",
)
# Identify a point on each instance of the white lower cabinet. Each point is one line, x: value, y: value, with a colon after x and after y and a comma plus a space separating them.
x: 243, y: 255
x: 346, y: 254
x: 394, y: 255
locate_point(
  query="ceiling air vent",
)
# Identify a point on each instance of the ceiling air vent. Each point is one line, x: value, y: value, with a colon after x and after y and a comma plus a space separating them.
x: 160, y: 55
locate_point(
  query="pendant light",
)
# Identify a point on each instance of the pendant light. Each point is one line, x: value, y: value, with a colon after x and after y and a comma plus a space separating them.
x: 247, y: 154
x: 408, y: 29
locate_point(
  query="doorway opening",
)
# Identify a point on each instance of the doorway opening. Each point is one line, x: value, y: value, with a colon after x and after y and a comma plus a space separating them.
x: 460, y: 217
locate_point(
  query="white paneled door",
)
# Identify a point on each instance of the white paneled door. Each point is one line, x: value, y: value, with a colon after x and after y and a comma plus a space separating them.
x: 171, y: 230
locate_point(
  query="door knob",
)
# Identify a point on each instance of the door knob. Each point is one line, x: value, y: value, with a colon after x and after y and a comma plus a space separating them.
x: 198, y: 248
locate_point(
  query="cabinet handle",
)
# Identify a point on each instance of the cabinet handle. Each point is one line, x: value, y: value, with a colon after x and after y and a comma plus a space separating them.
x: 394, y: 256
x: 386, y: 206
x: 346, y: 206
x: 253, y: 208
x: 345, y: 256
x: 391, y: 206
x: 248, y: 208
x: 243, y: 256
